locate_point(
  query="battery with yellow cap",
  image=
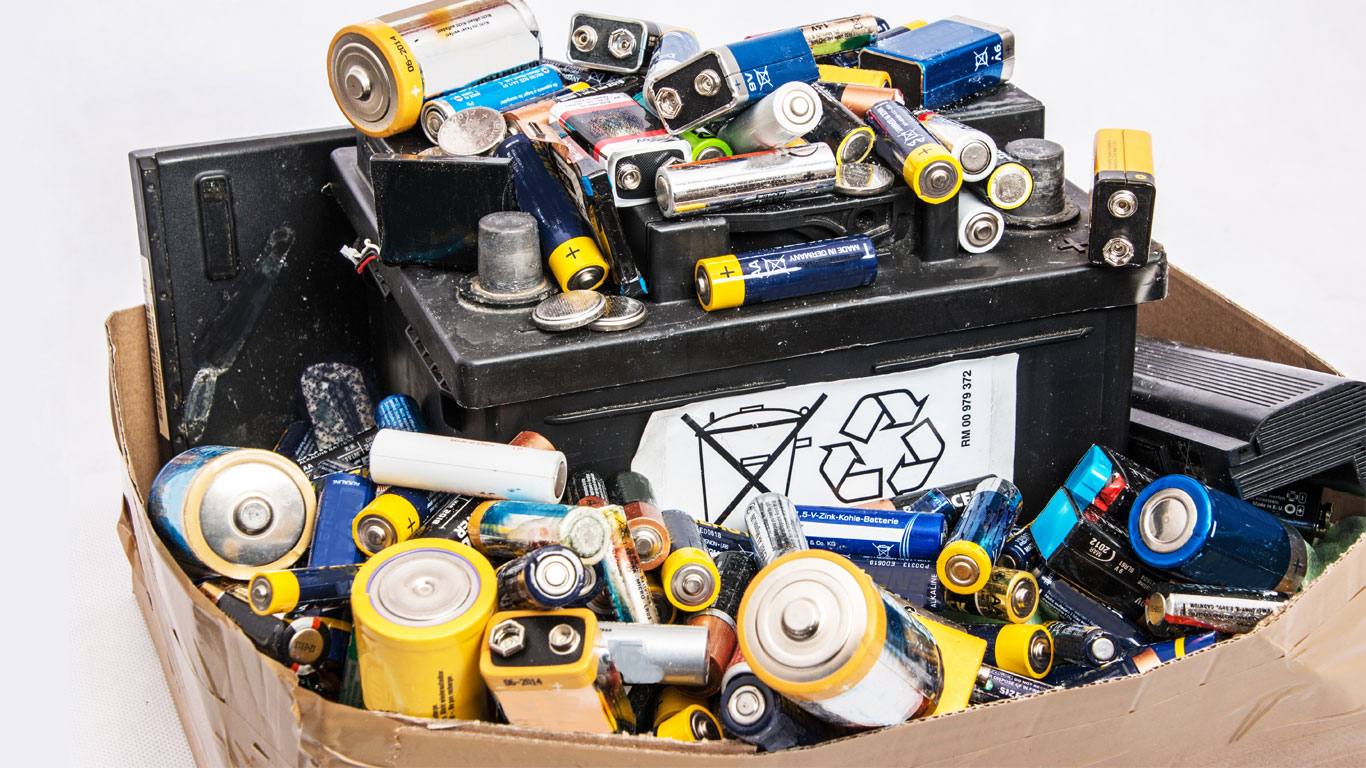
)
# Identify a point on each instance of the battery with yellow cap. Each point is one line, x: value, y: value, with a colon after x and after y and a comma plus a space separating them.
x: 1025, y: 649
x: 816, y: 629
x: 280, y: 591
x: 383, y: 70
x: 964, y: 565
x: 927, y: 166
x: 1122, y: 198
x: 689, y: 575
x: 693, y: 723
x: 419, y: 609
x: 873, y: 78
x: 391, y: 517
x: 1009, y: 595
x: 547, y: 671
x: 784, y: 272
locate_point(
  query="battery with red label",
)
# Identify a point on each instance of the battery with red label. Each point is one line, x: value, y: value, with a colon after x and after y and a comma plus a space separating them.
x: 625, y: 137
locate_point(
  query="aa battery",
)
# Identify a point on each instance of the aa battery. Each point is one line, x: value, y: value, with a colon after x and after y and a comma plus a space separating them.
x: 1008, y: 186
x: 718, y: 538
x: 874, y: 533
x: 755, y: 713
x: 448, y: 518
x: 775, y: 527
x: 1070, y: 604
x: 843, y: 34
x: 626, y: 138
x: 1023, y: 649
x: 419, y: 612
x: 585, y: 484
x: 546, y: 672
x: 296, y: 441
x: 945, y: 61
x: 341, y: 496
x: 858, y: 99
x: 721, y: 80
x: 937, y: 230
x: 1209, y: 537
x: 1178, y: 609
x: 965, y: 562
x: 693, y: 723
x: 469, y: 467
x: 675, y: 47
x: 687, y: 189
x: 233, y: 511
x: 705, y: 146
x: 391, y: 517
x: 1020, y: 552
x: 624, y: 580
x: 980, y: 226
x: 995, y: 684
x: 915, y: 581
x: 293, y: 644
x: 1080, y: 644
x: 736, y: 570
x: 649, y: 654
x: 611, y: 44
x: 544, y: 580
x: 566, y: 243
x: 1009, y: 595
x: 689, y: 574
x: 284, y: 590
x: 1139, y: 660
x: 499, y: 94
x: 930, y: 170
x: 817, y: 629
x: 383, y: 70
x: 974, y: 150
x: 840, y: 129
x: 784, y: 272
x: 349, y: 456
x: 1122, y: 198
x: 514, y: 528
x: 871, y: 78
x: 400, y: 412
x: 789, y: 113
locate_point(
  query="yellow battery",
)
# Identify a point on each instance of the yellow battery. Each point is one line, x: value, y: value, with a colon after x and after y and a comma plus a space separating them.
x: 970, y: 550
x: 387, y: 520
x: 693, y: 723
x: 1013, y: 176
x: 672, y: 700
x: 543, y: 668
x: 727, y: 282
x: 875, y: 78
x: 419, y: 609
x: 679, y: 559
x: 961, y: 654
x: 284, y: 592
x: 916, y: 162
x: 1025, y: 649
x: 571, y: 257
x: 1008, y: 595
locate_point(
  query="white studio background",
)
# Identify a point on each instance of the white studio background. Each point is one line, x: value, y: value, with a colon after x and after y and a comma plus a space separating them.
x: 1254, y: 112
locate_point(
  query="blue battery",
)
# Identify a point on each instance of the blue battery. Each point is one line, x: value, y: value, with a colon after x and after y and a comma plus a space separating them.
x: 593, y: 585
x: 501, y: 94
x: 544, y: 580
x: 296, y: 441
x: 1209, y: 537
x: 1020, y: 552
x: 967, y: 557
x: 939, y: 63
x: 1067, y: 603
x: 1139, y: 660
x: 915, y: 581
x: 400, y: 412
x: 755, y: 714
x: 874, y: 532
x: 341, y: 496
x: 764, y: 62
x: 566, y: 242
x: 784, y: 272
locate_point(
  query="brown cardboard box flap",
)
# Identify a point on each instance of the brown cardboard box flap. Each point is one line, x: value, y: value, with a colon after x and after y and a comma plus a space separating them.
x: 1294, y: 691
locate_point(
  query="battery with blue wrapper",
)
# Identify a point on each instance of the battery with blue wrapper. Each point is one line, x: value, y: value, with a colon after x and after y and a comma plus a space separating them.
x: 874, y: 533
x: 341, y: 496
x: 945, y: 61
x: 501, y: 94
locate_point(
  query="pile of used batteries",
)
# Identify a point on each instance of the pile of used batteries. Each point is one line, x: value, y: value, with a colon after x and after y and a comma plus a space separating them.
x: 438, y: 570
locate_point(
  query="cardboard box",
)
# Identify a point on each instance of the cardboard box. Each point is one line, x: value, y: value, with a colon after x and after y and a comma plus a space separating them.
x: 1292, y: 692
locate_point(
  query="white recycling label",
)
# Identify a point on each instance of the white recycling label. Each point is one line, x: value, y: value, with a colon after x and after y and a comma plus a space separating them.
x: 834, y: 443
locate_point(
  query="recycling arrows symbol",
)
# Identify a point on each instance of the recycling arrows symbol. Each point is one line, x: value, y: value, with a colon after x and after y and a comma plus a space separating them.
x: 872, y: 423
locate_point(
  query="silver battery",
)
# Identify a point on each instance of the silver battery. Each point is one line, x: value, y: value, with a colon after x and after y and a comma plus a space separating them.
x: 609, y: 43
x: 665, y: 654
x: 471, y: 132
x: 1178, y: 609
x: 787, y: 114
x: 695, y: 188
x: 980, y: 226
x: 774, y: 527
x: 810, y: 619
x: 830, y: 36
x: 974, y: 150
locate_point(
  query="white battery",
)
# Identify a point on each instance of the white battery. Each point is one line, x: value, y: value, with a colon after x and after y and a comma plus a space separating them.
x: 973, y: 149
x: 469, y: 467
x: 787, y: 114
x: 980, y: 226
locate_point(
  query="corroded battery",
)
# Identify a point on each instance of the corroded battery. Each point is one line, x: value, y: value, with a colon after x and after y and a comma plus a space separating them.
x: 695, y: 188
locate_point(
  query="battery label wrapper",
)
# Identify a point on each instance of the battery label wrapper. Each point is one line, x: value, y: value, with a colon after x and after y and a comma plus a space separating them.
x: 834, y: 443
